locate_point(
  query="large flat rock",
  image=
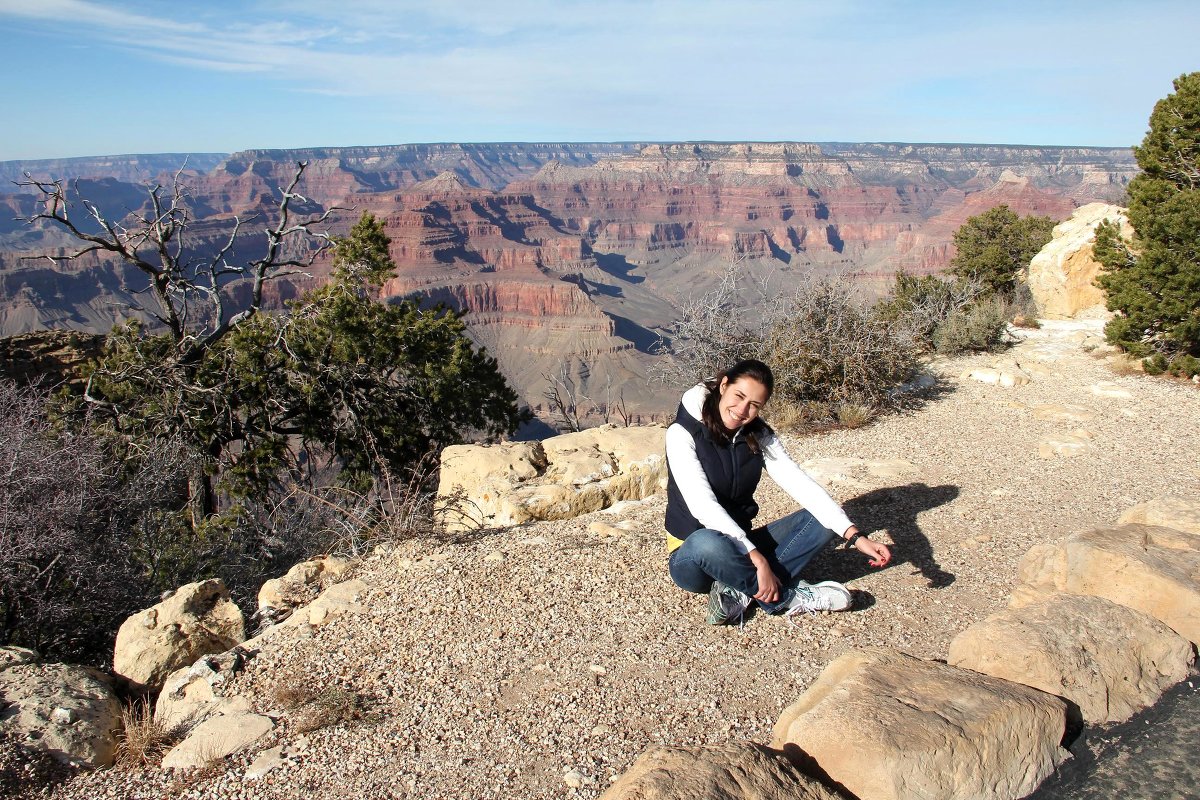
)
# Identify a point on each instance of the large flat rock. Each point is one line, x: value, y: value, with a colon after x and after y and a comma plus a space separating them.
x: 1111, y: 661
x: 888, y: 726
x: 736, y: 771
x: 1152, y: 569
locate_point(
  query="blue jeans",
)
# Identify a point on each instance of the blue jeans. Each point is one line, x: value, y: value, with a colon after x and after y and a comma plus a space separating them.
x: 788, y: 543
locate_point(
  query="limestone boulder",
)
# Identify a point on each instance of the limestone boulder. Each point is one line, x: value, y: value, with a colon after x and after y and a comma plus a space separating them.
x: 1178, y: 511
x: 474, y: 478
x: 13, y: 656
x: 216, y: 738
x: 739, y: 771
x: 196, y: 620
x: 1111, y: 661
x: 914, y: 728
x: 68, y: 712
x: 189, y: 697
x: 1062, y: 276
x: 559, y: 478
x: 301, y: 583
x: 339, y: 599
x: 1152, y: 569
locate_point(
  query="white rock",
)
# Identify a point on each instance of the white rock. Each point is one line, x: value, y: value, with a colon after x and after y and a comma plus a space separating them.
x: 1152, y: 569
x: 197, y: 619
x: 264, y: 762
x: 732, y: 771
x: 1111, y: 390
x: 1062, y: 276
x: 1063, y: 413
x: 1178, y: 511
x: 216, y: 738
x: 1063, y: 444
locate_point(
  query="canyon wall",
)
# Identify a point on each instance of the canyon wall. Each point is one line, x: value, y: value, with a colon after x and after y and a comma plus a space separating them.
x: 573, y: 258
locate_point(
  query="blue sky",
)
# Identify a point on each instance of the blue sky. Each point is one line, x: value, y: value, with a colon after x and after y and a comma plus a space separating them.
x: 92, y: 77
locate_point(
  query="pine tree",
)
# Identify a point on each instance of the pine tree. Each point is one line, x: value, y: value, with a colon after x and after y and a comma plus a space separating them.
x: 1154, y: 285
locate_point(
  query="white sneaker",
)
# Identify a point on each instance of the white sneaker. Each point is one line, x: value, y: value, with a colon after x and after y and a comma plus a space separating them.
x: 824, y: 596
x: 726, y: 604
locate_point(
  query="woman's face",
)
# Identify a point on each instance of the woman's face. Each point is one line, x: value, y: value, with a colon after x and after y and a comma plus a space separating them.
x: 741, y: 401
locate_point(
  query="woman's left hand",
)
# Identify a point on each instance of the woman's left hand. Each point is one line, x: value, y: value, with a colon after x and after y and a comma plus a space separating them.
x: 878, y: 552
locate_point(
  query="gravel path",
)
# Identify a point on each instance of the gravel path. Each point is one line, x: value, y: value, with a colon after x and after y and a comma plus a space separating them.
x: 539, y: 661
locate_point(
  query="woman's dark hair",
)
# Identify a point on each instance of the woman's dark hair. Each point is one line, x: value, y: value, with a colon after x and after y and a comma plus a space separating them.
x: 710, y: 412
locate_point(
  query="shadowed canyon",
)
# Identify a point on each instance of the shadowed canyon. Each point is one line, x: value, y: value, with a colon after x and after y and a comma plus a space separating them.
x: 565, y: 257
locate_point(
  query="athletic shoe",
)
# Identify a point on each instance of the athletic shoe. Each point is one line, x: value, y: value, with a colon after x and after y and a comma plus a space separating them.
x: 811, y: 598
x: 726, y: 604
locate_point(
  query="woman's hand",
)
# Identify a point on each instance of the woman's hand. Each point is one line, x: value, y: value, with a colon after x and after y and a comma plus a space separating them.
x: 768, y: 584
x: 878, y: 552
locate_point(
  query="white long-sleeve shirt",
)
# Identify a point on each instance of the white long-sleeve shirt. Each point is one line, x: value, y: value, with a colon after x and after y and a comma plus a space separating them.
x: 698, y: 494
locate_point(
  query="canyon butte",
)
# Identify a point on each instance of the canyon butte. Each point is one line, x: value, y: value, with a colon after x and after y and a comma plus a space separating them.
x: 569, y: 259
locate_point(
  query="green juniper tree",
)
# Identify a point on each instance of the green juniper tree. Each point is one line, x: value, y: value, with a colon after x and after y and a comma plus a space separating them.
x: 993, y: 247
x: 1154, y: 285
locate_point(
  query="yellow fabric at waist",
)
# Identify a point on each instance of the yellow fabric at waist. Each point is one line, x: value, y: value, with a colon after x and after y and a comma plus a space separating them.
x: 673, y: 544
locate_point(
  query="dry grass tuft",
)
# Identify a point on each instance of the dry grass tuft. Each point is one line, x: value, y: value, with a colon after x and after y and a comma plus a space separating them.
x: 1124, y: 365
x: 144, y: 741
x: 854, y: 415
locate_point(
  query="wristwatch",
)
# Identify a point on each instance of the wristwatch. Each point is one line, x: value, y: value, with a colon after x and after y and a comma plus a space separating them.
x: 850, y: 542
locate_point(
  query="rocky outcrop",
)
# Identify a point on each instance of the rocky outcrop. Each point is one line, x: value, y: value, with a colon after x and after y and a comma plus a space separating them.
x: 730, y: 772
x: 189, y: 695
x: 1151, y: 569
x: 68, y: 712
x: 559, y: 478
x: 300, y: 584
x: 1109, y: 660
x: 1062, y: 277
x: 922, y: 729
x: 197, y: 619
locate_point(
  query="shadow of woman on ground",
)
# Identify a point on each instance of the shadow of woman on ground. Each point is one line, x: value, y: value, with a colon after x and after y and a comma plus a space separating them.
x: 895, y: 510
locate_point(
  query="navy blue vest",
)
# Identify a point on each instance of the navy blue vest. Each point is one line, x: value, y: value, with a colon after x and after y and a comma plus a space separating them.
x: 733, y: 472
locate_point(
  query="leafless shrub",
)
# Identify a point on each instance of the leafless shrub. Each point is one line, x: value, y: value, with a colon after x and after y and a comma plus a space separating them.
x: 825, y: 343
x: 566, y: 398
x: 830, y: 347
x: 144, y: 740
x: 978, y: 327
x: 66, y: 576
x: 347, y: 522
x: 311, y: 707
x: 1124, y: 365
x: 718, y: 329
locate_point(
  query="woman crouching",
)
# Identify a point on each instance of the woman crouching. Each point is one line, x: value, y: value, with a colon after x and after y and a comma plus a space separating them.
x: 716, y: 451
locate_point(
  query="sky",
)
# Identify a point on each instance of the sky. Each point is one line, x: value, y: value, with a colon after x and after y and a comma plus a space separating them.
x: 106, y: 77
